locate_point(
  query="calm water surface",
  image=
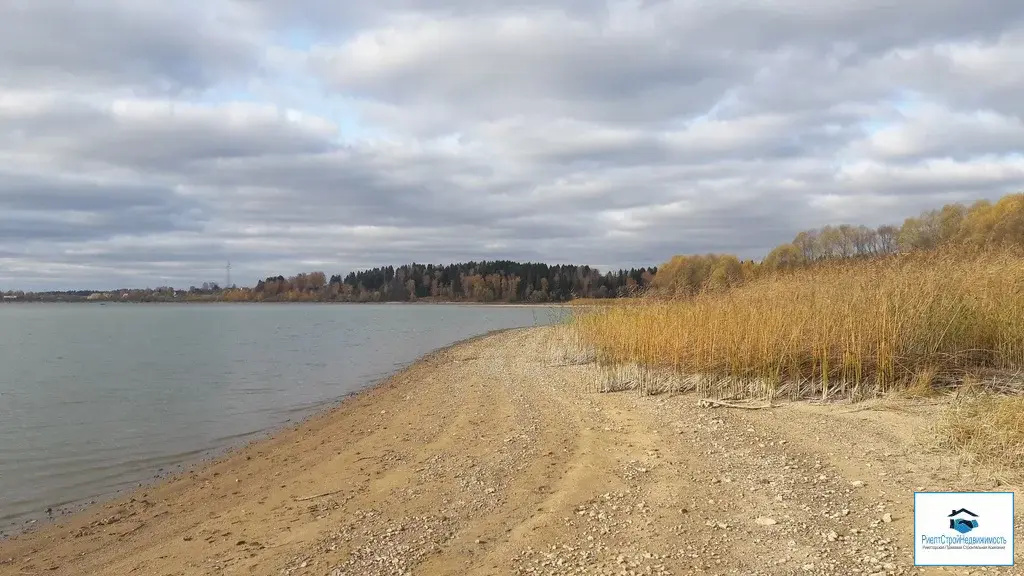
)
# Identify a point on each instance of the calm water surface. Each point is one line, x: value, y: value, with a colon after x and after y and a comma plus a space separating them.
x: 94, y: 399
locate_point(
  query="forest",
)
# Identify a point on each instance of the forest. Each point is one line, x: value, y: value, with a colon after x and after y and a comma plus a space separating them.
x: 488, y: 281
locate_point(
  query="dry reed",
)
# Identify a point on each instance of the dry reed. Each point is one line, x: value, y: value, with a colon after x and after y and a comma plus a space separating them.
x: 988, y: 429
x: 914, y: 322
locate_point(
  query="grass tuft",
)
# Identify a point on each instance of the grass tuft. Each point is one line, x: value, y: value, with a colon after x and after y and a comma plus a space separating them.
x: 989, y: 429
x: 923, y: 384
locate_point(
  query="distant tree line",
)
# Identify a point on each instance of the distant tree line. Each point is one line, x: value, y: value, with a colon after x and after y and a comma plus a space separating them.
x: 209, y: 291
x: 487, y: 281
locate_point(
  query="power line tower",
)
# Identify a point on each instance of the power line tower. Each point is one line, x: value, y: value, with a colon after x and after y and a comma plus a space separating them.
x: 227, y: 276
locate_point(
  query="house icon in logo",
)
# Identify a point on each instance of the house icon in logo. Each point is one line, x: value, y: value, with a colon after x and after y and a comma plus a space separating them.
x: 963, y: 520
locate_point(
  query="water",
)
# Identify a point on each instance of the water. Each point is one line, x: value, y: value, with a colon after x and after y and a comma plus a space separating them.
x: 94, y: 399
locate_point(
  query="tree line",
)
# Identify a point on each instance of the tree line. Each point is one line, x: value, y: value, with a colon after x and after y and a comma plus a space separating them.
x: 486, y: 281
x: 982, y: 224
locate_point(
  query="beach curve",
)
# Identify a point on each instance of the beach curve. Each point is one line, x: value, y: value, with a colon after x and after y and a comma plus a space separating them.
x: 490, y: 457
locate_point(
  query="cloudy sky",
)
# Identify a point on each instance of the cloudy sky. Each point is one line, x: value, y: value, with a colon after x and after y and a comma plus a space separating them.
x: 147, y: 142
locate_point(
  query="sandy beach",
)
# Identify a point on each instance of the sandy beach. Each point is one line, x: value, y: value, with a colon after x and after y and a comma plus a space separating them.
x: 492, y: 457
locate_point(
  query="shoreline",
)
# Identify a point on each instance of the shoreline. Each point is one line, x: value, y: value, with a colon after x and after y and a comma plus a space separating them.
x: 38, y: 521
x: 491, y: 456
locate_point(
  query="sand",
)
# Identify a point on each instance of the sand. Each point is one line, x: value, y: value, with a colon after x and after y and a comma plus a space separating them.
x: 492, y: 457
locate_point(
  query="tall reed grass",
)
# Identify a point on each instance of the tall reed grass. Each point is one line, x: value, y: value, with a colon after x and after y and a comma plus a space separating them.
x: 851, y: 328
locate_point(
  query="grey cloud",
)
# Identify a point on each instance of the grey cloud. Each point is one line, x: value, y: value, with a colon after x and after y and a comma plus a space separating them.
x: 72, y: 226
x: 674, y: 61
x: 934, y: 132
x: 873, y: 26
x: 46, y: 193
x: 968, y: 76
x: 66, y: 209
x: 546, y: 63
x: 151, y: 46
x: 763, y: 136
x: 335, y: 19
x: 849, y: 30
x: 162, y: 135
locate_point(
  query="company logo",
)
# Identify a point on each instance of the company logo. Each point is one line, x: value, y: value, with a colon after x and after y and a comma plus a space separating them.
x: 963, y: 520
x: 963, y: 528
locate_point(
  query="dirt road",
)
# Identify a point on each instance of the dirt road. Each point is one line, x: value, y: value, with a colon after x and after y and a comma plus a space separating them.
x: 488, y: 459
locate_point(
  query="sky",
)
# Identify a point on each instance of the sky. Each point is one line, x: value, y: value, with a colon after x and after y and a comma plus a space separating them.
x: 147, y: 143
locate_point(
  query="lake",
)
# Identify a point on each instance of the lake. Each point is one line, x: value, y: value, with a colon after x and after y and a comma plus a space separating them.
x: 95, y: 399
